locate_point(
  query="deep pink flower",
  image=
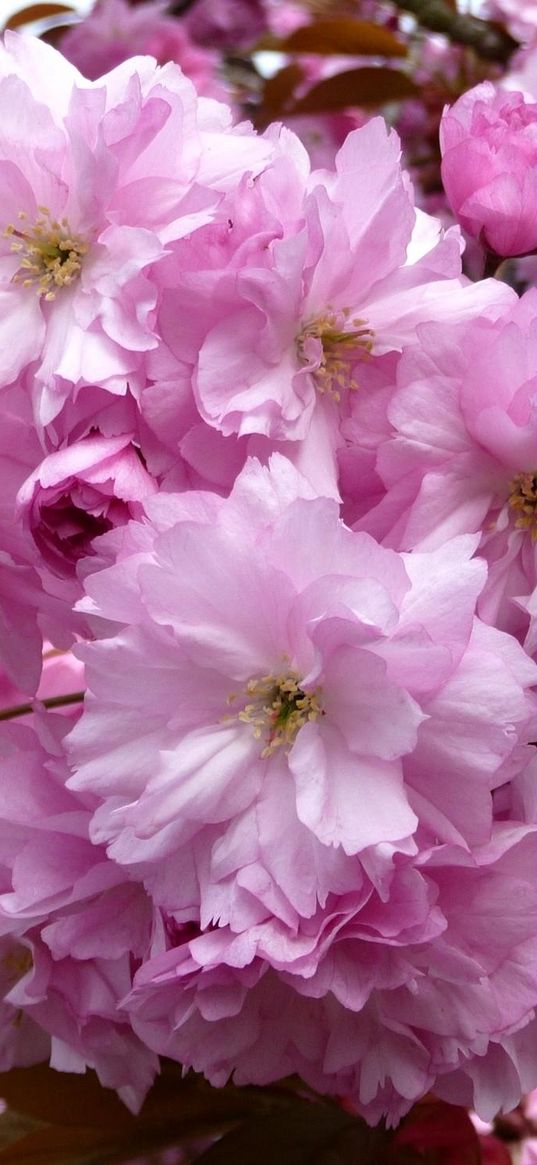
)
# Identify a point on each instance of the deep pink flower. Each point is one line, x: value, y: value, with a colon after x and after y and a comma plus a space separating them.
x: 386, y: 1016
x: 80, y: 492
x: 226, y: 26
x: 115, y: 31
x: 489, y: 150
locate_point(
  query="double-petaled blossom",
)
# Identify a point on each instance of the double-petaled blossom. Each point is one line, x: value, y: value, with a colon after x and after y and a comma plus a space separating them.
x: 71, y: 925
x: 489, y: 150
x: 307, y: 732
x: 97, y: 178
x: 292, y: 827
x: 309, y: 277
x: 455, y: 452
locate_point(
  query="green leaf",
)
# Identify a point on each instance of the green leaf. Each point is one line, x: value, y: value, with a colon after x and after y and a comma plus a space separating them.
x: 356, y: 87
x: 347, y: 37
x: 60, y: 1146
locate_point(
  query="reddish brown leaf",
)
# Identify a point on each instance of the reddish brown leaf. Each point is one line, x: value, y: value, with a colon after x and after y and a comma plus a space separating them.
x: 37, y: 12
x: 278, y: 92
x: 442, y: 1132
x: 176, y: 1109
x: 369, y: 86
x: 62, y: 1098
x: 354, y: 37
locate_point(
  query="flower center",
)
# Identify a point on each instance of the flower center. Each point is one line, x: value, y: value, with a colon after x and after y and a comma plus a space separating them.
x: 523, y: 499
x: 16, y: 963
x: 343, y: 340
x: 278, y: 709
x: 51, y: 256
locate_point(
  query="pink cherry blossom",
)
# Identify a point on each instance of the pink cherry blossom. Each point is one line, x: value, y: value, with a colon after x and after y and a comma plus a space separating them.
x: 456, y: 453
x: 111, y: 171
x: 307, y: 278
x: 519, y: 15
x: 72, y: 923
x: 114, y: 31
x: 289, y: 669
x: 437, y: 1014
x: 226, y: 26
x: 488, y: 167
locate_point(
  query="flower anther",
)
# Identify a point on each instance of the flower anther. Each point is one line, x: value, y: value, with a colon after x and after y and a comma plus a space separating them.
x: 341, y: 345
x: 279, y: 709
x: 523, y: 499
x: 51, y: 255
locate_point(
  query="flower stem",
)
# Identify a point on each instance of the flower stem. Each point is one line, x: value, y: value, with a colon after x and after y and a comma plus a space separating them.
x: 48, y: 702
x: 488, y: 39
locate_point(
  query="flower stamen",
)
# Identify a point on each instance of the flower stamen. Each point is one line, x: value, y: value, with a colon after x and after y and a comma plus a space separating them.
x: 16, y: 963
x: 278, y: 710
x: 51, y: 255
x: 343, y: 340
x: 523, y: 499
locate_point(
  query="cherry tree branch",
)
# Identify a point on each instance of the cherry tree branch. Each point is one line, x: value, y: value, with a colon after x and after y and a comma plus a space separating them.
x: 488, y: 39
x: 48, y: 702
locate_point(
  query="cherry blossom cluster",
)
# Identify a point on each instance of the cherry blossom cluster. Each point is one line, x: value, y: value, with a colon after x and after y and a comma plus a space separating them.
x: 268, y: 604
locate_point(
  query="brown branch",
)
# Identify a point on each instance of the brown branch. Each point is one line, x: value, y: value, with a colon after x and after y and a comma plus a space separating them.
x: 48, y: 702
x: 180, y: 7
x: 488, y: 39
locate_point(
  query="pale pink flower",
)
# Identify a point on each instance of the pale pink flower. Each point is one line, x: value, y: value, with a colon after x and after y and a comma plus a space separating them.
x: 110, y: 173
x: 519, y: 15
x: 278, y: 668
x: 457, y: 454
x: 76, y: 924
x: 295, y: 320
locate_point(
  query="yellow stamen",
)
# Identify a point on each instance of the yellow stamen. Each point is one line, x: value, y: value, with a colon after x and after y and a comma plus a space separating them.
x: 344, y: 340
x: 278, y: 710
x: 51, y: 256
x: 523, y: 499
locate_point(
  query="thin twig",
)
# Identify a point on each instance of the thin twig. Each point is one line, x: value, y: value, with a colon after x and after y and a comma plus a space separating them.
x: 488, y: 39
x: 180, y: 7
x: 48, y: 702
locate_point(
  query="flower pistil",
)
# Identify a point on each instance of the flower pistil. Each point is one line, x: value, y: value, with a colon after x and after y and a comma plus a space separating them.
x: 278, y: 708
